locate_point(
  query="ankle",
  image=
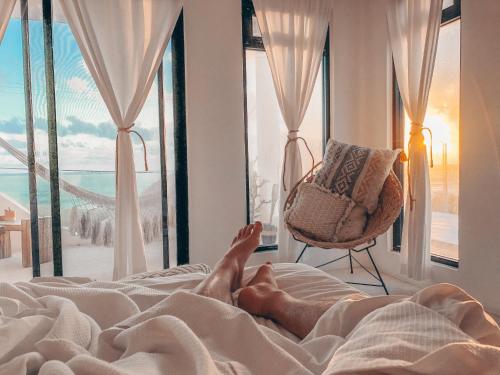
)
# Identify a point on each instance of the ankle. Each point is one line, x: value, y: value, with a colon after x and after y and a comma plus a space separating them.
x: 276, y: 303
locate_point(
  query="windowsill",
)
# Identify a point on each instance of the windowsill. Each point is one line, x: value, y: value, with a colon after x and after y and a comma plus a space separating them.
x: 445, y: 261
x: 263, y: 248
x: 453, y: 263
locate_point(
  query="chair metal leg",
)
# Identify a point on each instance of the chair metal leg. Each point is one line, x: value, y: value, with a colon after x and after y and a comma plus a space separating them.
x: 301, y: 253
x: 350, y: 261
x: 378, y: 273
x: 378, y: 276
x: 332, y: 261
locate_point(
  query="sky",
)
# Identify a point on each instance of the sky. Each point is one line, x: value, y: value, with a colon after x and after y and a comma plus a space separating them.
x: 86, y: 133
x: 443, y: 109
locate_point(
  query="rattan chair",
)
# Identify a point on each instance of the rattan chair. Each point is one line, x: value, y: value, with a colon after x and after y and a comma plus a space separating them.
x: 388, y: 209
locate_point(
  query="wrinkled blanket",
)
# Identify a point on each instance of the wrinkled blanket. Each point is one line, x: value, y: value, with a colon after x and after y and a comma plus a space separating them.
x: 74, y: 326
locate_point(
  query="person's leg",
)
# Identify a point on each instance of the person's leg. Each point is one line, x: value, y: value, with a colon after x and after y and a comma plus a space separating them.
x: 227, y: 273
x: 262, y: 297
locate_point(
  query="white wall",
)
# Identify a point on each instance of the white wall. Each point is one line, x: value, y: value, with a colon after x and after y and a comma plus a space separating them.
x: 480, y: 151
x: 360, y: 73
x: 215, y: 127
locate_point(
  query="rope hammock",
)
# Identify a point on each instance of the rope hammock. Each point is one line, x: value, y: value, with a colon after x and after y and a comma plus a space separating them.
x: 92, y: 214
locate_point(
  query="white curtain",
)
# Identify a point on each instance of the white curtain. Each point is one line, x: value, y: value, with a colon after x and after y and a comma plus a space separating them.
x: 6, y: 7
x: 414, y: 31
x: 294, y: 33
x: 122, y: 42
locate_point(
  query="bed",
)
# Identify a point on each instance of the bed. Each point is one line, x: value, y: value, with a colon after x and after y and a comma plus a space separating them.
x: 152, y: 324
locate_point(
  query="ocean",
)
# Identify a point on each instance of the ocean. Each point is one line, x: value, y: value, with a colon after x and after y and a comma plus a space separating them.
x: 15, y: 185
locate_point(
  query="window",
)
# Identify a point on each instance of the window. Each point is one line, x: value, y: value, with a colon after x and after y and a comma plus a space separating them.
x: 86, y: 147
x: 14, y: 172
x: 443, y: 119
x: 86, y: 151
x: 266, y: 132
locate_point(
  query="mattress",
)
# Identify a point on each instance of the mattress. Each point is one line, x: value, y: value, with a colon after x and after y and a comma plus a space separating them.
x: 155, y: 325
x: 299, y: 280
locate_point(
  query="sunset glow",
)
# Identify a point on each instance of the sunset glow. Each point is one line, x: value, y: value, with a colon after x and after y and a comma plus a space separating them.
x: 442, y: 118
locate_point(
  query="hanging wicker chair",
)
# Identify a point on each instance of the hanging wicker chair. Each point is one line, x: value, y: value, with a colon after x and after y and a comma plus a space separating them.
x: 389, y: 207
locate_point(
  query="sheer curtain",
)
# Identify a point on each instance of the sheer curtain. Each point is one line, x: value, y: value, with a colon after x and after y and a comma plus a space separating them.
x: 294, y: 33
x: 413, y: 31
x: 122, y: 42
x: 6, y: 7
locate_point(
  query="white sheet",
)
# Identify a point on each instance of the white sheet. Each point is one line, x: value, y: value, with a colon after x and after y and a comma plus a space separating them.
x: 153, y: 326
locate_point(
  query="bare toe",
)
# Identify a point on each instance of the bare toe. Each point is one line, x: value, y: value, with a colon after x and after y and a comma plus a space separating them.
x: 248, y: 230
x: 256, y: 231
x: 241, y: 233
x: 257, y: 228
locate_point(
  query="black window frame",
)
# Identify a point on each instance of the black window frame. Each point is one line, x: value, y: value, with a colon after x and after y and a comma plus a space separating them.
x: 251, y: 42
x: 449, y: 14
x: 180, y: 146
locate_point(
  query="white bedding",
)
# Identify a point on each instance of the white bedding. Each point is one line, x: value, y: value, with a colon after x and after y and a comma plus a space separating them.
x: 155, y: 326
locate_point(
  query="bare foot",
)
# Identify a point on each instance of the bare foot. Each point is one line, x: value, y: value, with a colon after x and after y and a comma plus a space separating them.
x: 227, y: 273
x: 261, y: 296
x: 264, y: 275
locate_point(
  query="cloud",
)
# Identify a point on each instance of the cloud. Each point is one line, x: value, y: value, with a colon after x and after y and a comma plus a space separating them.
x: 12, y: 126
x: 76, y: 126
x: 102, y: 130
x: 73, y: 126
x: 40, y: 124
x: 77, y: 84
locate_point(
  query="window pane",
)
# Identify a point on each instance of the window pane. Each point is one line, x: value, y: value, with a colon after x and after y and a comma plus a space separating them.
x: 14, y: 191
x: 86, y: 141
x: 148, y: 183
x: 13, y: 131
x: 447, y: 3
x: 267, y: 136
x: 170, y: 153
x: 443, y: 119
x: 86, y: 145
x: 255, y: 28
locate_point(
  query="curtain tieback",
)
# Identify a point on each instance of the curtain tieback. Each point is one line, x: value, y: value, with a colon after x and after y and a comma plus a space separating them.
x: 416, y: 130
x: 129, y: 130
x: 290, y: 140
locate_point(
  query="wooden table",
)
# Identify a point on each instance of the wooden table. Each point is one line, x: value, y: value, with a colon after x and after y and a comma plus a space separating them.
x: 5, y: 248
x: 24, y: 227
x: 5, y: 243
x: 12, y: 226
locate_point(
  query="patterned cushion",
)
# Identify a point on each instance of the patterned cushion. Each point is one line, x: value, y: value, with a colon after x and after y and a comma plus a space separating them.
x: 358, y: 172
x: 354, y: 225
x: 317, y: 213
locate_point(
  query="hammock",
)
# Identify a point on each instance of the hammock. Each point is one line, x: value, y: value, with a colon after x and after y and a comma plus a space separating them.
x: 95, y: 220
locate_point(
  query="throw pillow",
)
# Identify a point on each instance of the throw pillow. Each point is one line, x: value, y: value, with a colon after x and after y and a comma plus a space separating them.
x: 316, y: 212
x: 355, y: 171
x: 354, y: 225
